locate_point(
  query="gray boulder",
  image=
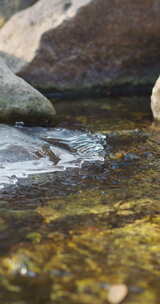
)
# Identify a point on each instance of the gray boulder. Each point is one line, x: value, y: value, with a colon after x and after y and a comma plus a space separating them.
x: 20, y: 102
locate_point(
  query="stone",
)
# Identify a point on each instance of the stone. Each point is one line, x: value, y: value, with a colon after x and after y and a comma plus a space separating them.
x: 85, y: 45
x: 19, y: 101
x: 117, y: 293
x: 25, y: 29
x: 9, y: 8
x: 155, y: 100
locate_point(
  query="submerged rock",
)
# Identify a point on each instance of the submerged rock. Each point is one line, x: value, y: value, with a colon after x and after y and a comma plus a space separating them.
x: 85, y: 44
x: 20, y: 102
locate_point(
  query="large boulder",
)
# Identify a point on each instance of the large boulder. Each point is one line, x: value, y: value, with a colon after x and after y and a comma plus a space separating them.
x: 21, y: 36
x: 20, y: 102
x: 86, y: 44
x: 10, y: 7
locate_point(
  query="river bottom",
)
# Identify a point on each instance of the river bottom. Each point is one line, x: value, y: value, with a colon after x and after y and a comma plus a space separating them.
x: 69, y: 236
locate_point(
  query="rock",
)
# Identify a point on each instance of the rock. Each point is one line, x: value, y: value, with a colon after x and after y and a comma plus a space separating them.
x: 86, y: 44
x: 117, y: 293
x: 25, y: 29
x: 20, y: 102
x: 155, y: 100
x: 8, y: 8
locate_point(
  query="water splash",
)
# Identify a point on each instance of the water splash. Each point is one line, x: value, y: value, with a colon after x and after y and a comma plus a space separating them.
x: 28, y: 151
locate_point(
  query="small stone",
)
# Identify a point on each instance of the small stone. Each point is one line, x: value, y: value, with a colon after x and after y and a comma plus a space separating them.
x: 116, y: 156
x: 117, y: 293
x: 131, y: 156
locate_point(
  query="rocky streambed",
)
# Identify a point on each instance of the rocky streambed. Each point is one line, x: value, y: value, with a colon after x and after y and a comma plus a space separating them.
x: 79, y: 205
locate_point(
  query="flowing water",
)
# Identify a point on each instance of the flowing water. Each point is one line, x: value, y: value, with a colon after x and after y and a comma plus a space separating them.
x: 80, y: 205
x: 26, y: 151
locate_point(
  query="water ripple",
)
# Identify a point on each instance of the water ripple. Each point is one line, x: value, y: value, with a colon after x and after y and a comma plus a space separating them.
x: 28, y: 151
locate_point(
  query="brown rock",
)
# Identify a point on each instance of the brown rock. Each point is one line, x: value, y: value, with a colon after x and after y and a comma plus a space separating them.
x: 85, y: 44
x: 21, y: 36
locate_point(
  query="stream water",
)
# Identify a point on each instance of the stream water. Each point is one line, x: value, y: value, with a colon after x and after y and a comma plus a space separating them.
x: 79, y: 205
x: 32, y: 151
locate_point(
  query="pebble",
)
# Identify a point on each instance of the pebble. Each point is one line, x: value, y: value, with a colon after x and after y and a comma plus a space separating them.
x: 117, y: 293
x: 116, y: 156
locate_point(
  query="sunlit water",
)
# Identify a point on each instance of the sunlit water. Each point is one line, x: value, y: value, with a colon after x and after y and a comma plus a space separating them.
x: 31, y: 151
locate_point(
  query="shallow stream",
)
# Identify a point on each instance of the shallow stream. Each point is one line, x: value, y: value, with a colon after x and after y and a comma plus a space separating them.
x: 80, y: 205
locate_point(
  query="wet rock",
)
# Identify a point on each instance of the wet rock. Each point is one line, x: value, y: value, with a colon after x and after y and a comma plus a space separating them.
x: 74, y: 49
x: 155, y: 100
x: 16, y: 146
x: 8, y: 8
x: 20, y: 102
